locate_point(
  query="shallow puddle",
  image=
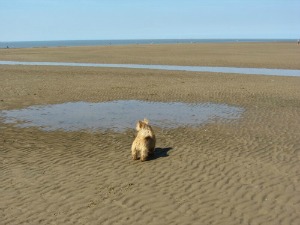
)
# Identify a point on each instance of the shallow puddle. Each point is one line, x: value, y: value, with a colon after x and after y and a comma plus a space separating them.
x: 118, y: 115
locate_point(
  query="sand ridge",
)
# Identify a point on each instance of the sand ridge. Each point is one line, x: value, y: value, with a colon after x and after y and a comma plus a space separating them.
x: 249, y: 55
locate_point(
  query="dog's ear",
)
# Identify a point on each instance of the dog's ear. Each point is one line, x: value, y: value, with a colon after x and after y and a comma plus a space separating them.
x: 146, y: 121
x: 139, y: 125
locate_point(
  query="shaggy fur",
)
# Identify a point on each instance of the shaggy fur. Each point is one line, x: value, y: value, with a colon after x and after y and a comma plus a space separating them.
x: 144, y: 143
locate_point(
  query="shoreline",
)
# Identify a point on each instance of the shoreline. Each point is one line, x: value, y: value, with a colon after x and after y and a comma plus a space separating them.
x: 128, y: 42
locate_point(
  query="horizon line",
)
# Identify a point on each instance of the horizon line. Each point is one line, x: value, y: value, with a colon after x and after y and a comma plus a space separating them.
x: 132, y: 39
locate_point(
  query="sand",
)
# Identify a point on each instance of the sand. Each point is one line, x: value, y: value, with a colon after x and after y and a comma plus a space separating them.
x: 261, y: 55
x: 246, y: 171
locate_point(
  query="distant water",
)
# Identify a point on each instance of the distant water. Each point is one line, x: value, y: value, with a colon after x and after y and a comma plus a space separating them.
x: 257, y: 71
x: 65, y: 43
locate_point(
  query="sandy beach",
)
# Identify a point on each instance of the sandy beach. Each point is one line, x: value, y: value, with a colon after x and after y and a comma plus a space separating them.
x: 245, y: 171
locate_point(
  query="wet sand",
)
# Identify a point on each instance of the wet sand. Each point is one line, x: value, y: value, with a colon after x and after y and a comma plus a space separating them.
x: 242, y: 172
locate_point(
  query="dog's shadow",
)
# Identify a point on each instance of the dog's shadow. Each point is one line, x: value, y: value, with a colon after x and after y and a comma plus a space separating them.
x: 160, y: 152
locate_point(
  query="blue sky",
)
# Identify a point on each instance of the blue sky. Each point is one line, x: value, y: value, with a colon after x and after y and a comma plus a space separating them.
x: 26, y: 20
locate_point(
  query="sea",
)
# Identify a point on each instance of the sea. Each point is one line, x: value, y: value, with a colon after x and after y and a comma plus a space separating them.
x: 69, y: 43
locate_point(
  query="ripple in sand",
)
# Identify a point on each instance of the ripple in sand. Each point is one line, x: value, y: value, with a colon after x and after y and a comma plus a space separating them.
x: 118, y: 115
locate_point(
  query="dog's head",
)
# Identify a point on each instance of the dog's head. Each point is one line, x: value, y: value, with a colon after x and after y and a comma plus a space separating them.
x: 144, y: 129
x: 142, y: 124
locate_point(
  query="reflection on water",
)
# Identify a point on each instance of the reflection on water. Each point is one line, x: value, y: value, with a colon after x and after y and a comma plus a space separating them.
x: 118, y: 115
x: 257, y: 71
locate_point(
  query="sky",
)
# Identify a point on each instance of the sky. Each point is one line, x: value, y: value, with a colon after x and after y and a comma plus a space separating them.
x: 43, y: 20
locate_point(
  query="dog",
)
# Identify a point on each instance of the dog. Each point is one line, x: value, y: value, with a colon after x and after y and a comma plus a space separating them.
x: 144, y: 143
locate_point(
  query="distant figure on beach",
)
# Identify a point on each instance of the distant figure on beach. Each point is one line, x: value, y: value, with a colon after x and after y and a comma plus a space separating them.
x: 7, y: 46
x: 298, y: 42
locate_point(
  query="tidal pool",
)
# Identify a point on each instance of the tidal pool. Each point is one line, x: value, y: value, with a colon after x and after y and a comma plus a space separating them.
x: 236, y: 70
x: 118, y: 115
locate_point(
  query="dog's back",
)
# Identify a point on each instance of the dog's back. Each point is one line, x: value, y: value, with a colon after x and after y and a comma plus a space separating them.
x: 144, y: 142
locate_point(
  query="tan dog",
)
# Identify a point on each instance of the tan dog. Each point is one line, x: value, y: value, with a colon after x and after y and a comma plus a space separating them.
x: 144, y: 143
